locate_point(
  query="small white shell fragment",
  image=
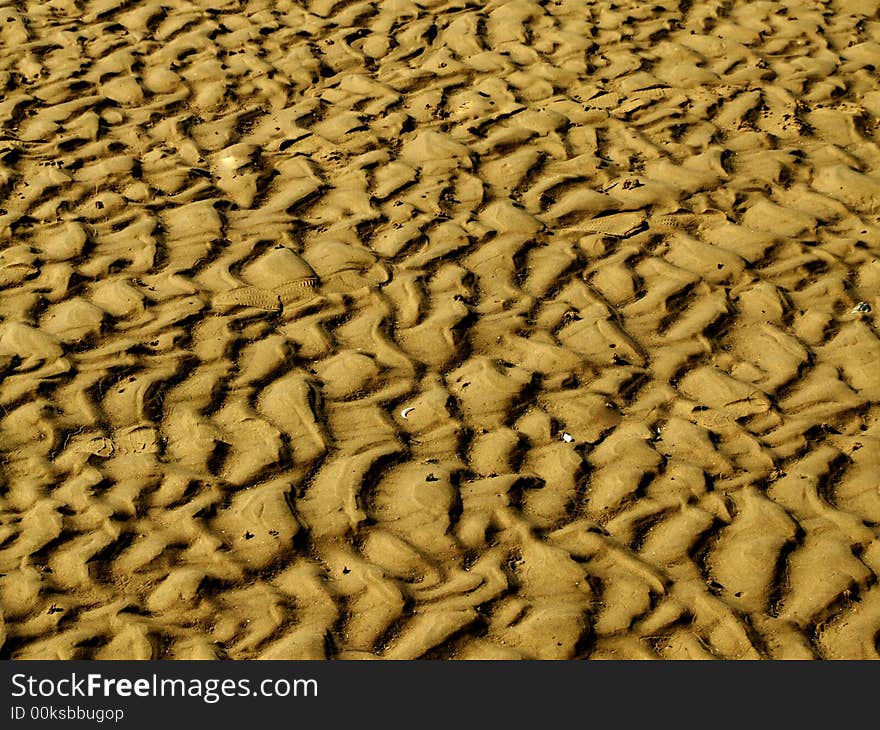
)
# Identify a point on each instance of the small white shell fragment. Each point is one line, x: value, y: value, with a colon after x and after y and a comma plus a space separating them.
x: 567, y: 437
x: 406, y: 411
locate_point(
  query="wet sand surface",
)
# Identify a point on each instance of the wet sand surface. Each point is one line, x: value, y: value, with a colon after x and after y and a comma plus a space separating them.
x: 439, y: 329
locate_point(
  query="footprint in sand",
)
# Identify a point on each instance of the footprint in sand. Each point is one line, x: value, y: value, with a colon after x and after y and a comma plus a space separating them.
x: 276, y: 278
x: 281, y: 277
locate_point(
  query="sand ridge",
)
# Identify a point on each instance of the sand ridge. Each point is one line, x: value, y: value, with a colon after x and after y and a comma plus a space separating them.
x: 439, y: 329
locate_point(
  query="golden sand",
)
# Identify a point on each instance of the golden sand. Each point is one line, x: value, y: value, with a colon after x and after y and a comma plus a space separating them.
x: 439, y: 329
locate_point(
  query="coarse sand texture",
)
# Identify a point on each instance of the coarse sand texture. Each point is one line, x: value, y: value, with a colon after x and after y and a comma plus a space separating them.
x: 439, y: 329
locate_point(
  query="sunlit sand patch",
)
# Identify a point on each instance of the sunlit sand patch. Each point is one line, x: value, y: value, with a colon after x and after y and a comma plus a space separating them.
x: 354, y: 280
x: 16, y: 265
